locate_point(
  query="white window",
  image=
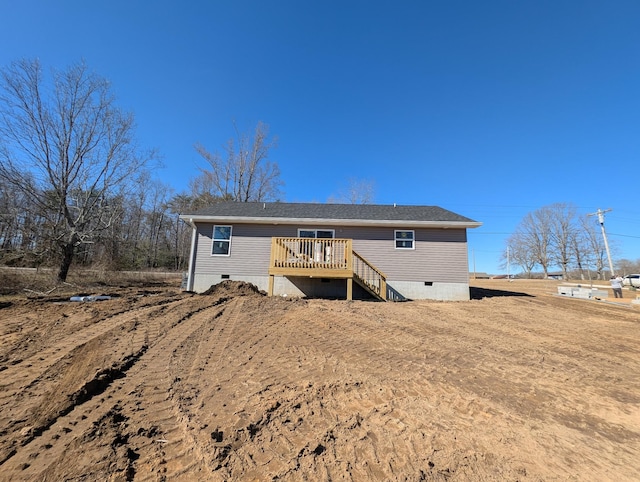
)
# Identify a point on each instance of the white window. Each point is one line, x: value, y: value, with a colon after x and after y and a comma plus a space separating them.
x: 316, y: 250
x: 316, y: 233
x: 221, y: 241
x: 404, y: 239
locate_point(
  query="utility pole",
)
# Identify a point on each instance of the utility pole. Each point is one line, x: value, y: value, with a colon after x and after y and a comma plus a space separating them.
x: 600, y: 214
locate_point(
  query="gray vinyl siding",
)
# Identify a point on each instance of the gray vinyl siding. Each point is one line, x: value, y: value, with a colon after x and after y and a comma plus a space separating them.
x: 250, y: 249
x: 440, y: 255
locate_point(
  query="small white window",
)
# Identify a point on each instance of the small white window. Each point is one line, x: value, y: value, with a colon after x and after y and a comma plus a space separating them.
x: 404, y: 239
x: 221, y: 241
x: 316, y: 233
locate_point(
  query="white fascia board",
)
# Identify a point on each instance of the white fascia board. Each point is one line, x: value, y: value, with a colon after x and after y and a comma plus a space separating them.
x: 332, y: 222
x: 189, y: 220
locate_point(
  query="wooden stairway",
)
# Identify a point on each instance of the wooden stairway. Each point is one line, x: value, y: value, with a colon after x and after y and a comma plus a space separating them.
x: 369, y: 277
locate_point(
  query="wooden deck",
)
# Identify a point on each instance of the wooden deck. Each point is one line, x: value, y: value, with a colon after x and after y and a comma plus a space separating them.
x: 324, y: 258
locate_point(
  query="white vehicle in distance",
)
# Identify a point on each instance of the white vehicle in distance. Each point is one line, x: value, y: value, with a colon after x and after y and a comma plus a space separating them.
x: 631, y: 280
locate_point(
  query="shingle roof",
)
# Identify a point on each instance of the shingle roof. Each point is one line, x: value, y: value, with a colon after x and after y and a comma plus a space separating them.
x: 344, y: 214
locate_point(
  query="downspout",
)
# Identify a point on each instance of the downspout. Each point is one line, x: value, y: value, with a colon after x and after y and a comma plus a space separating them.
x: 192, y: 258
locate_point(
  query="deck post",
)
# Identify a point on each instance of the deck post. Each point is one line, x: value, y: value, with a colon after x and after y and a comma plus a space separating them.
x: 349, y: 289
x: 271, y: 279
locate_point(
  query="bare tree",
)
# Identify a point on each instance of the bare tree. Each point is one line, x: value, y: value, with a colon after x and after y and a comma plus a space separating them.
x: 592, y: 247
x: 627, y: 266
x: 66, y: 146
x: 556, y: 235
x: 580, y: 253
x: 180, y: 234
x: 357, y: 191
x: 564, y: 231
x: 533, y: 234
x: 157, y: 221
x: 18, y: 228
x: 518, y: 253
x: 243, y: 173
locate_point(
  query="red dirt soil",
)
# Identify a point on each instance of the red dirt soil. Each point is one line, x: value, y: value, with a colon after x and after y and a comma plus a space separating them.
x: 161, y: 385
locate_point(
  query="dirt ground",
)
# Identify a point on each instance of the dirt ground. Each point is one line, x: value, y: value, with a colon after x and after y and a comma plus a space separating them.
x: 155, y: 384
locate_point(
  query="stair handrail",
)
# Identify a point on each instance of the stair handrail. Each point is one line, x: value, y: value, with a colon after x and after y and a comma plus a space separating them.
x: 373, y: 278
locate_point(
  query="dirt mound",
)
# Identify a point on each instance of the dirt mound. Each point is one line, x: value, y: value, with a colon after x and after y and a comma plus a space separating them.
x: 229, y: 289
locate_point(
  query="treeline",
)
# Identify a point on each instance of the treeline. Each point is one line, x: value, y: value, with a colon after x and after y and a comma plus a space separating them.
x: 558, y: 238
x: 138, y: 230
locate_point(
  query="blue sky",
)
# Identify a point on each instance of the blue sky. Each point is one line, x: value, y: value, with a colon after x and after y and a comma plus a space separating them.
x: 491, y: 109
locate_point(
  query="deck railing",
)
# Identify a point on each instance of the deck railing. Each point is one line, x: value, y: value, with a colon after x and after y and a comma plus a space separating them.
x: 311, y: 253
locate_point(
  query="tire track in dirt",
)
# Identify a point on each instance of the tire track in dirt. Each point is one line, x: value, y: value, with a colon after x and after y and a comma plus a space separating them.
x: 29, y: 380
x: 147, y: 326
x: 47, y: 318
x: 541, y: 349
x: 26, y: 371
x: 206, y: 356
x: 472, y: 397
x: 158, y: 432
x: 284, y: 421
x: 539, y: 362
x: 177, y: 450
x: 396, y: 360
x: 235, y: 420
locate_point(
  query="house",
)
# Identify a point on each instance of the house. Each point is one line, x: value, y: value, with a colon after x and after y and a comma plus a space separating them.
x: 389, y: 252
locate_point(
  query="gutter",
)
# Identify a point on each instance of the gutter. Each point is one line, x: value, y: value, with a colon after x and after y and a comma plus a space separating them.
x: 333, y: 222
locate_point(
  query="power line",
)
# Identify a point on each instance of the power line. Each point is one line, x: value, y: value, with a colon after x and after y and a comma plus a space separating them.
x: 624, y: 235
